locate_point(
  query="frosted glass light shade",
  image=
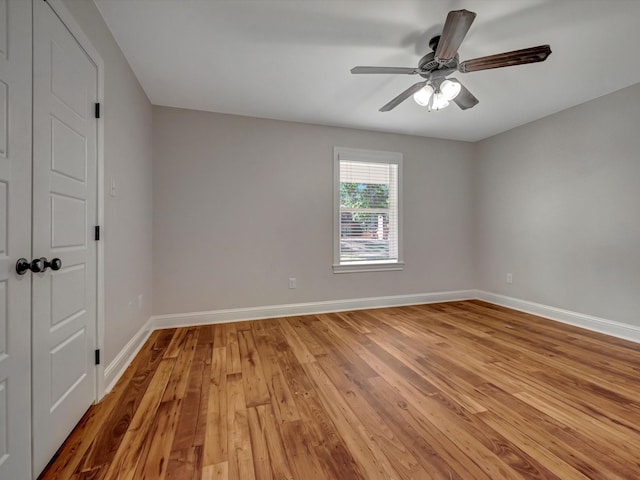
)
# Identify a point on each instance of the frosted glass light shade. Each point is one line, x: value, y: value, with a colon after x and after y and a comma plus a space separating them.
x: 439, y: 101
x: 449, y: 89
x: 423, y: 95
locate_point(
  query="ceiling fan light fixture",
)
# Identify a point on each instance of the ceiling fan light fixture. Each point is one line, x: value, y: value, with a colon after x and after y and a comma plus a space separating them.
x: 439, y: 101
x: 450, y: 89
x: 423, y: 95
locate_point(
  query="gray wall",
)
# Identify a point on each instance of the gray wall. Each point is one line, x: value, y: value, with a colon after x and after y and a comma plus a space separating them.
x: 128, y: 126
x: 557, y: 205
x: 241, y: 204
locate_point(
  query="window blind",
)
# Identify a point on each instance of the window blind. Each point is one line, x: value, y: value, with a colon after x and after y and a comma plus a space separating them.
x: 368, y: 212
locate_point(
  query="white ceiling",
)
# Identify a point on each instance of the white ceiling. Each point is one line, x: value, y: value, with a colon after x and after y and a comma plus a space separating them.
x: 290, y: 59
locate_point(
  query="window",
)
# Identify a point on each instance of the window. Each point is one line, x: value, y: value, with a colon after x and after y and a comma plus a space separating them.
x: 367, y: 210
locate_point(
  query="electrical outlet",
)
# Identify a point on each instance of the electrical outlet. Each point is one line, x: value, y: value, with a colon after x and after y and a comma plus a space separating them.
x: 292, y: 282
x: 509, y: 278
x: 140, y: 302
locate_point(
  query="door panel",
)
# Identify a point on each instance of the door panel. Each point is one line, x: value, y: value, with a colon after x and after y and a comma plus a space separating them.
x: 68, y: 156
x: 68, y: 222
x: 64, y: 212
x: 65, y: 308
x: 15, y: 238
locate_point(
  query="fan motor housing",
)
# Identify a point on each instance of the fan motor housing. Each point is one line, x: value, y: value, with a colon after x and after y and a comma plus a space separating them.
x: 424, y: 62
x: 430, y: 66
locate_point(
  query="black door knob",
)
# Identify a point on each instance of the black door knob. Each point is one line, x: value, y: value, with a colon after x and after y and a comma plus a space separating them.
x: 22, y: 265
x: 38, y: 265
x: 55, y: 264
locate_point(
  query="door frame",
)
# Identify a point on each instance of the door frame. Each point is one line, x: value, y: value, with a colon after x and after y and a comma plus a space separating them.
x: 65, y: 16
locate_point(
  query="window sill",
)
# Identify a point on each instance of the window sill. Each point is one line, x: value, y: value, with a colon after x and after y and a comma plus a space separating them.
x: 367, y: 267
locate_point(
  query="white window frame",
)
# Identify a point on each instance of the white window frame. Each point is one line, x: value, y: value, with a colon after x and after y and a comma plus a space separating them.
x: 370, y: 156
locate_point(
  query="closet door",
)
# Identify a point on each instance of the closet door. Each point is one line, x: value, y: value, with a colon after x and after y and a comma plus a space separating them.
x: 15, y: 238
x: 64, y: 215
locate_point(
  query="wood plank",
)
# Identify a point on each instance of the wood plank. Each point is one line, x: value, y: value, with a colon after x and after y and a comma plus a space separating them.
x: 215, y: 444
x: 201, y: 374
x: 255, y: 385
x: 234, y: 365
x: 239, y: 441
x: 260, y: 451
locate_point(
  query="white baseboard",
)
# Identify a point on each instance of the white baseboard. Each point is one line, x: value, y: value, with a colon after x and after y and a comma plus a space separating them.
x: 116, y: 368
x: 589, y: 322
x: 274, y: 311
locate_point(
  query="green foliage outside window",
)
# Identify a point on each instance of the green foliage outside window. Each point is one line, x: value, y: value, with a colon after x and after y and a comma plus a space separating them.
x: 362, y: 196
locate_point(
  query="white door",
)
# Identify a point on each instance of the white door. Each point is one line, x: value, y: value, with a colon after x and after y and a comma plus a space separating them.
x: 64, y: 215
x: 15, y: 238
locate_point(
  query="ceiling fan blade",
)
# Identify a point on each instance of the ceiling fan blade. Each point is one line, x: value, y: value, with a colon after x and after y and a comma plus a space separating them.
x: 465, y: 99
x: 455, y: 29
x: 403, y: 96
x: 387, y: 70
x: 507, y: 59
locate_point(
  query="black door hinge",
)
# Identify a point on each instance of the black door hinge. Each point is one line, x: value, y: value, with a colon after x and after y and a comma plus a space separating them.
x: 96, y: 233
x: 97, y: 353
x: 97, y: 110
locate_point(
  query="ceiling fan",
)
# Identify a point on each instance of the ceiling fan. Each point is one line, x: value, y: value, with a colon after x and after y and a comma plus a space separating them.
x: 436, y: 91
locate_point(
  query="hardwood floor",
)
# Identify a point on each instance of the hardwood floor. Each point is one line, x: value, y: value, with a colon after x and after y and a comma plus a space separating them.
x: 462, y: 390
